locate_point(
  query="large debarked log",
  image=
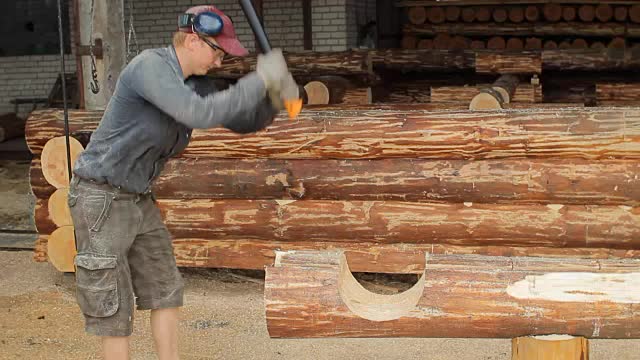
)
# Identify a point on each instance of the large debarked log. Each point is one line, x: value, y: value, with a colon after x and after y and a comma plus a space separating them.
x: 351, y: 62
x: 515, y: 181
x: 314, y: 294
x: 403, y: 222
x: 362, y: 256
x: 362, y: 134
x: 528, y: 29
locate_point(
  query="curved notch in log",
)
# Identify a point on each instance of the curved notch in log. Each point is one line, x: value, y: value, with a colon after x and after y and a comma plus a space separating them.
x: 376, y: 307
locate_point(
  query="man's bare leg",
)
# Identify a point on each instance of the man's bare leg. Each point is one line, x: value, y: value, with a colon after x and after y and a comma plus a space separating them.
x: 164, y: 326
x: 115, y: 347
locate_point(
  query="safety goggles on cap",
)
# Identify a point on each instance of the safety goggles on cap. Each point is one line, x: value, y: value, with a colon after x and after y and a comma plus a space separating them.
x: 204, y: 23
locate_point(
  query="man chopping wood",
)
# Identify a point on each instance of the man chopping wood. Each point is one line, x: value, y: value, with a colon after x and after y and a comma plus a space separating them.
x: 124, y: 253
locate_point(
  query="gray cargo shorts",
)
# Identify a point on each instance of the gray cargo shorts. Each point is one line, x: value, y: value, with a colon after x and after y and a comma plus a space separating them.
x: 124, y: 257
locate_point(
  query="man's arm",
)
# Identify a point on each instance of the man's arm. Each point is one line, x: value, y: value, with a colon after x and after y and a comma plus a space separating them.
x: 250, y: 120
x: 155, y: 81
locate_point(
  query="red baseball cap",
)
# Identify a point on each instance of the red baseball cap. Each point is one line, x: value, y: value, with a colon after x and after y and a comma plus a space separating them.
x: 227, y: 39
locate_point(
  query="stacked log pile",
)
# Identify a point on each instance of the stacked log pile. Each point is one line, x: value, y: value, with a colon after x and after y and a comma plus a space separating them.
x: 494, y: 198
x: 436, y: 176
x: 523, y: 25
x: 563, y: 36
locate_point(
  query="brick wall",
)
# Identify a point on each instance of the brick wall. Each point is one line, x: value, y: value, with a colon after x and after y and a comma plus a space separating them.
x: 29, y: 76
x: 334, y: 28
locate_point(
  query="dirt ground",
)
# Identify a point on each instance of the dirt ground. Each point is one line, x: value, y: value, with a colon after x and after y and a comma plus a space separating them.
x: 223, y: 318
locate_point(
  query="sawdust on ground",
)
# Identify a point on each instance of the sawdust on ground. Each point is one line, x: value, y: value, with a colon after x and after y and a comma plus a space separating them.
x: 223, y: 318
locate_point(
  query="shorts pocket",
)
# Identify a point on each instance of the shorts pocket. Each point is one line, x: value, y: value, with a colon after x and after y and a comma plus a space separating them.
x: 97, y: 284
x: 96, y: 209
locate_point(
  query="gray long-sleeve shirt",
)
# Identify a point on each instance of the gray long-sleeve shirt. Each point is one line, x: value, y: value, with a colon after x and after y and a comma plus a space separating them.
x: 151, y: 115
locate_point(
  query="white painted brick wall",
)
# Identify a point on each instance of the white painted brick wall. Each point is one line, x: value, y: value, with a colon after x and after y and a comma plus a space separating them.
x: 334, y: 27
x: 29, y: 77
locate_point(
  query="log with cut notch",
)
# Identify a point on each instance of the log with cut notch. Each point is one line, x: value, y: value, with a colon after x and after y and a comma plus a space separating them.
x: 255, y: 254
x: 314, y: 294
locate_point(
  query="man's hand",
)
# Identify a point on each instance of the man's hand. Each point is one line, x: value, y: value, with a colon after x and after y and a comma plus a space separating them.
x: 272, y: 68
x: 288, y: 89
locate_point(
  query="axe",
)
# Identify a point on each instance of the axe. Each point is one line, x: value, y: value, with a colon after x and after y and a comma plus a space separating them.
x: 294, y: 105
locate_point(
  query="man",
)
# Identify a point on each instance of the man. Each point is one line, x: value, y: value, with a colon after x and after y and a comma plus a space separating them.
x: 124, y: 249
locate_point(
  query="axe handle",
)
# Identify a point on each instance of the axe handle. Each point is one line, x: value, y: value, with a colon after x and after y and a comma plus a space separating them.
x: 256, y: 26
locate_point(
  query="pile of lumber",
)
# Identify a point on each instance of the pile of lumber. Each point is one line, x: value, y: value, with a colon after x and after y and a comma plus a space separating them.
x: 358, y: 77
x: 524, y: 25
x: 496, y: 199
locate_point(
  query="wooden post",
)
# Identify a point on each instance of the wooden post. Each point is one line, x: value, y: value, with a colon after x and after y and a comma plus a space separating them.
x: 557, y: 347
x: 307, y: 24
x: 108, y: 25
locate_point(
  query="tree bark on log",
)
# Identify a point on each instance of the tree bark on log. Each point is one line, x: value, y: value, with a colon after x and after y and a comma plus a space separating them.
x: 357, y: 96
x: 46, y: 124
x: 525, y: 93
x: 583, y: 29
x: 618, y: 93
x: 560, y: 347
x: 505, y: 181
x: 508, y: 63
x: 366, y: 134
x: 404, y: 222
x: 592, y: 59
x: 314, y: 294
x: 425, y: 60
x: 350, y: 62
x: 362, y: 256
x: 521, y: 181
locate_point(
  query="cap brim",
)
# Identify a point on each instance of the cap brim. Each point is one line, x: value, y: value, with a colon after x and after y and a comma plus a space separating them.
x: 231, y: 46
